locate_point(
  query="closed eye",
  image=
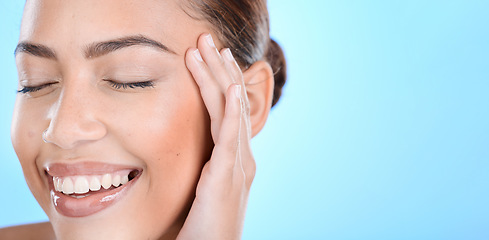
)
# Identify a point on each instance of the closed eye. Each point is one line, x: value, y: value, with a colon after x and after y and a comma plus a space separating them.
x: 132, y: 85
x: 26, y: 89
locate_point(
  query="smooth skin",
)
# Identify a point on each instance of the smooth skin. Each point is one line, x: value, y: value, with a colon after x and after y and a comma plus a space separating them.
x: 218, y: 205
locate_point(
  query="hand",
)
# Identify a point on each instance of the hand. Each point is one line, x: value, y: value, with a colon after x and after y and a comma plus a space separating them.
x: 219, y: 207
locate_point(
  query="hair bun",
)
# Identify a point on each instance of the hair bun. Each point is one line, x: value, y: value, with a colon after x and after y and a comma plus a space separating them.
x: 276, y: 58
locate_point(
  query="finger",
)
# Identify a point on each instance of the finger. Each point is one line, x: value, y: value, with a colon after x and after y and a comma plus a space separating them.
x: 227, y: 146
x: 215, y: 62
x: 234, y: 69
x: 232, y: 66
x: 246, y: 161
x: 209, y: 88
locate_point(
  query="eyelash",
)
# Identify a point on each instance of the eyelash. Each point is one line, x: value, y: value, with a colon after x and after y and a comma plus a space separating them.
x: 115, y: 85
x: 25, y: 90
x: 132, y: 85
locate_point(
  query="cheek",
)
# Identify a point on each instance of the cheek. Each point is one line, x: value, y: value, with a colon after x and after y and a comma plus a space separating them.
x: 169, y: 133
x: 170, y: 130
x: 164, y: 126
x: 27, y: 127
x: 26, y: 133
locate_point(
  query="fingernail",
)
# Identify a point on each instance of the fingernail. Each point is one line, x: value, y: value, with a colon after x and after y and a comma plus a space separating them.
x: 228, y: 55
x: 198, y: 56
x: 209, y: 40
x: 237, y: 91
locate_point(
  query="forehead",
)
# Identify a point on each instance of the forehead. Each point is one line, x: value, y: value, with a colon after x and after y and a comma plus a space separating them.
x: 74, y: 23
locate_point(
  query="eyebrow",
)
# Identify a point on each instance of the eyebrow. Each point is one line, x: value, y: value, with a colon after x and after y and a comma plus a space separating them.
x: 94, y: 50
x: 38, y: 50
x: 103, y: 48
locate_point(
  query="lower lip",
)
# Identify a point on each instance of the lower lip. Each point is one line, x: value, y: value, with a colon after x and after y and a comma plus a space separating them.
x: 91, y: 204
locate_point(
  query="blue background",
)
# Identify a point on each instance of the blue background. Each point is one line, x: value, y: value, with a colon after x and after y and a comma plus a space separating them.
x: 382, y: 132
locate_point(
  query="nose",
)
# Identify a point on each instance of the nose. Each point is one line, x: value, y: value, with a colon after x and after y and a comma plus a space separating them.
x: 74, y: 120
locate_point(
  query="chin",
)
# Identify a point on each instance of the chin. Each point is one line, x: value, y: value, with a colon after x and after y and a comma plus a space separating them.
x: 96, y: 200
x: 122, y: 209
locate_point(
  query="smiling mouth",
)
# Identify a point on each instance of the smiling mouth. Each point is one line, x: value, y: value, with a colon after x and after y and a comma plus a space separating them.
x: 80, y: 190
x: 86, y: 185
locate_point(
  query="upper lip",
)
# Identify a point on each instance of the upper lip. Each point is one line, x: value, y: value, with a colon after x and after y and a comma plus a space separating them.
x: 84, y: 168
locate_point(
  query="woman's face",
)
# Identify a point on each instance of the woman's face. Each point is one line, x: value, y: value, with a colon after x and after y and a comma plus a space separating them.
x: 107, y: 83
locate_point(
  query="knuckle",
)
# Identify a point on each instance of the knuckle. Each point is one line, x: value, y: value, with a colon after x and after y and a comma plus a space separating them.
x: 247, y: 171
x: 250, y: 170
x: 237, y: 74
x: 246, y: 108
x: 221, y: 61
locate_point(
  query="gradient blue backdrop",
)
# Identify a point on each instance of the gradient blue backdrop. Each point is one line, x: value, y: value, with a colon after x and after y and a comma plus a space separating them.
x: 382, y: 132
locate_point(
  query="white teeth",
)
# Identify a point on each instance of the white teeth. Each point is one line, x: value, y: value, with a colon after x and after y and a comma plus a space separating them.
x: 59, y: 185
x: 95, y: 184
x: 106, y: 181
x: 125, y: 179
x: 116, y: 180
x: 85, y: 184
x: 67, y: 186
x: 56, y: 184
x: 81, y: 185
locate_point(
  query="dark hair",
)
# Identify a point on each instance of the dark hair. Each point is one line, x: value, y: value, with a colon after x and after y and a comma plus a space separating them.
x: 244, y: 27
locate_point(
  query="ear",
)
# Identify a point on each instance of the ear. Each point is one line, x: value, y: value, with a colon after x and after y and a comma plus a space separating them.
x: 259, y: 84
